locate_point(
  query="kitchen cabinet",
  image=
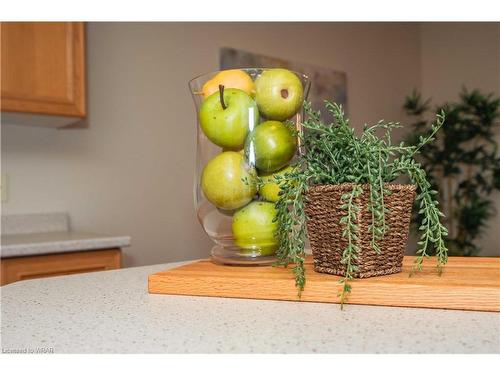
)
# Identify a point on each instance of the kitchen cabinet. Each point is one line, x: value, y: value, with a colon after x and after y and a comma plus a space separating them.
x: 39, y: 266
x: 43, y: 69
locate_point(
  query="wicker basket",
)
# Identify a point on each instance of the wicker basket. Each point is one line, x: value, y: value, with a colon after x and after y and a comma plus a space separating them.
x: 325, y: 231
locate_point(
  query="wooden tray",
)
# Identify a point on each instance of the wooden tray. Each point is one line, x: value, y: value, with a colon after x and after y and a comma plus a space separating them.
x: 466, y: 284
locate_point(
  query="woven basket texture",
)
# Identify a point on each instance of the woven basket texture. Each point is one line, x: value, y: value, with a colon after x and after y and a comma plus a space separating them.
x: 324, y: 212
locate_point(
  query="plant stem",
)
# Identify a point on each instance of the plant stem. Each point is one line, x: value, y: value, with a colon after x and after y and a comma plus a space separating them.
x: 351, y: 250
x: 435, y: 128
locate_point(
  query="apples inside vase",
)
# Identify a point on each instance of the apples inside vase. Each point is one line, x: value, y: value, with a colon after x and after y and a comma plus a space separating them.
x: 246, y: 134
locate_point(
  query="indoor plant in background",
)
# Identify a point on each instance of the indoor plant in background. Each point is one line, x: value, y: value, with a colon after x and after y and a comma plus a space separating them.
x: 341, y: 193
x: 463, y: 161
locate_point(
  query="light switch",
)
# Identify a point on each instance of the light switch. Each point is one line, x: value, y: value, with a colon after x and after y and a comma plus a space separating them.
x: 3, y: 187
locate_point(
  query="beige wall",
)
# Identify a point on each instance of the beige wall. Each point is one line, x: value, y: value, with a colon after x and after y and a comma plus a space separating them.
x: 456, y: 54
x: 131, y: 171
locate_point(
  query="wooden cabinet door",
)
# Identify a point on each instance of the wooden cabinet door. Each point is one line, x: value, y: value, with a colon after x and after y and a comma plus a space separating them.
x: 43, y: 68
x: 39, y: 266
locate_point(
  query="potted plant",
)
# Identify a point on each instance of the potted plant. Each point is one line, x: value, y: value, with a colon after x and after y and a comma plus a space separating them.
x: 464, y: 161
x: 341, y: 193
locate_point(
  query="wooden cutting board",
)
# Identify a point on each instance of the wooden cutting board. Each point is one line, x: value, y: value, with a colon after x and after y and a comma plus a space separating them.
x: 466, y: 284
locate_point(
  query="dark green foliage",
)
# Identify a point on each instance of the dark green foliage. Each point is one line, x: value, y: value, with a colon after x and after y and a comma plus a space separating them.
x: 463, y: 162
x: 333, y: 154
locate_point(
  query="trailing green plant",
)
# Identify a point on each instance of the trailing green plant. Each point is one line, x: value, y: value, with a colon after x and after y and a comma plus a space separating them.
x: 334, y: 154
x: 463, y: 163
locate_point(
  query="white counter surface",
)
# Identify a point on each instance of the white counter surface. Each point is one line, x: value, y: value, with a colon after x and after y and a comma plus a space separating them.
x: 50, y: 233
x: 15, y: 245
x: 112, y: 312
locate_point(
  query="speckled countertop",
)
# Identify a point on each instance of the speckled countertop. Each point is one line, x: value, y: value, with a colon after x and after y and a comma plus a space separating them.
x: 49, y: 233
x: 112, y: 312
x: 15, y: 245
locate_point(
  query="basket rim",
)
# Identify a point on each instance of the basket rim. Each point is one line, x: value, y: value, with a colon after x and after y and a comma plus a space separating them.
x: 345, y: 185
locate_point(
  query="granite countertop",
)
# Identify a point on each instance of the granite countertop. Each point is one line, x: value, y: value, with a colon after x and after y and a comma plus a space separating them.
x: 112, y: 312
x: 49, y: 233
x: 15, y: 245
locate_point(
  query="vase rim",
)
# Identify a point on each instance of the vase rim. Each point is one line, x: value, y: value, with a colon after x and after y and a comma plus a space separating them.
x: 302, y: 75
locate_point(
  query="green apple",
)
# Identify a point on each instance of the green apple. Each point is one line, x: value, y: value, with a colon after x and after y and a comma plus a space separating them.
x: 254, y: 229
x: 222, y: 181
x: 271, y: 188
x: 270, y: 146
x: 279, y: 94
x: 227, y: 123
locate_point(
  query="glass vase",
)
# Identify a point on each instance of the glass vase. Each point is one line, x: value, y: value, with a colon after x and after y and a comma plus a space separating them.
x: 248, y: 121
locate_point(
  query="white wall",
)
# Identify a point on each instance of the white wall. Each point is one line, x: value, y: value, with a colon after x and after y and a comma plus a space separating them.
x: 131, y: 171
x: 456, y: 54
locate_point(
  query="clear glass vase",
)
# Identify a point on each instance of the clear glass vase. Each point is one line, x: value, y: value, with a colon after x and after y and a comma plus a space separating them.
x: 247, y: 126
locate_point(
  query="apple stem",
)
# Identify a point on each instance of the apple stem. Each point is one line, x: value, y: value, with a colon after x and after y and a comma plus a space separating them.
x: 221, y: 94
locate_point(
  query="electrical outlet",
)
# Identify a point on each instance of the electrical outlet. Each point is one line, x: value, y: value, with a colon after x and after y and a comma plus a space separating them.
x: 3, y: 187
